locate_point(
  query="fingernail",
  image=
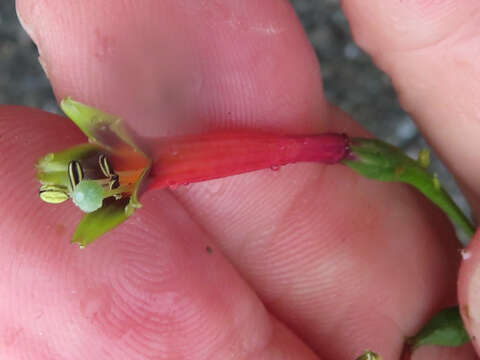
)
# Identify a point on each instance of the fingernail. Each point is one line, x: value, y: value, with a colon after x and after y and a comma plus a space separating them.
x: 43, y: 64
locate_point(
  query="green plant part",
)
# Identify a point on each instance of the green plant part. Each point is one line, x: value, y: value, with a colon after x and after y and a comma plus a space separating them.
x: 378, y: 160
x: 53, y: 194
x: 108, y: 171
x: 75, y: 174
x: 423, y: 158
x: 85, y: 172
x: 88, y: 195
x: 444, y: 329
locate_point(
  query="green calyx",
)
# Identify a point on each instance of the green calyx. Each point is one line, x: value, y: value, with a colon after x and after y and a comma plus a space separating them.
x: 444, y: 329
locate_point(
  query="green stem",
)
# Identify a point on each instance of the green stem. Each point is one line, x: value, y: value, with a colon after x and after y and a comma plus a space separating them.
x: 378, y: 160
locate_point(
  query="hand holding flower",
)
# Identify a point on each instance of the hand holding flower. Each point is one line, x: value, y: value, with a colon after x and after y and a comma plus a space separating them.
x: 303, y: 261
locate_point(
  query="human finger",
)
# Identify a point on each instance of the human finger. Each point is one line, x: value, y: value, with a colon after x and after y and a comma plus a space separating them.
x: 148, y: 290
x: 301, y: 236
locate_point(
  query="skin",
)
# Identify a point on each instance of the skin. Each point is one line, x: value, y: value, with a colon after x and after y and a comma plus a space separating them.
x: 310, y: 262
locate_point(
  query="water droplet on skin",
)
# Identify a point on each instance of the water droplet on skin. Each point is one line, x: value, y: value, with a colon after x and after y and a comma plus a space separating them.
x: 275, y: 167
x: 214, y: 187
x: 465, y: 254
x: 95, y: 303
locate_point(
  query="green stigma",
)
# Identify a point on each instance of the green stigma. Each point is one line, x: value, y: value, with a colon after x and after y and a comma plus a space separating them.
x: 88, y: 195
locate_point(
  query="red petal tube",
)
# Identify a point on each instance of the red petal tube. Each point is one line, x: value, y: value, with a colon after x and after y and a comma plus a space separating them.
x: 183, y: 160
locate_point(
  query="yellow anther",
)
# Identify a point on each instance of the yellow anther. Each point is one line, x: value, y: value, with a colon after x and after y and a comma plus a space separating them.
x: 53, y: 194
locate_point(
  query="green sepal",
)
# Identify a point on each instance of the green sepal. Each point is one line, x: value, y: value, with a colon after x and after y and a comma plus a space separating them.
x: 101, y: 128
x: 444, y: 329
x: 52, y: 168
x: 97, y: 223
x: 378, y: 160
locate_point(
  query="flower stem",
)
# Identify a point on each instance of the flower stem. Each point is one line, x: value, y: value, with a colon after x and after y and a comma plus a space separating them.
x: 379, y: 160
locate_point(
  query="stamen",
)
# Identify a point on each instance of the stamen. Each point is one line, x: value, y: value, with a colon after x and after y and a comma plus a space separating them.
x: 105, y: 166
x: 108, y: 171
x: 75, y: 173
x: 53, y: 194
x: 114, y: 182
x: 119, y: 191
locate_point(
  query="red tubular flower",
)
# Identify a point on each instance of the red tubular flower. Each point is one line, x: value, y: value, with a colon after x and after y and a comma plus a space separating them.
x: 183, y: 160
x: 106, y: 176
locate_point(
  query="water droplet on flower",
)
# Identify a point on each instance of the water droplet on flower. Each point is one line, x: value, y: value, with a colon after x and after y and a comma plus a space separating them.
x: 173, y: 185
x: 173, y: 150
x: 215, y: 187
x: 275, y: 167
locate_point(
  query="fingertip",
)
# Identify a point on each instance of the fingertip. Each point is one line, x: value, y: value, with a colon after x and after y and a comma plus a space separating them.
x: 169, y: 66
x: 469, y: 289
x: 428, y: 49
x: 148, y: 286
x: 380, y: 26
x: 26, y: 134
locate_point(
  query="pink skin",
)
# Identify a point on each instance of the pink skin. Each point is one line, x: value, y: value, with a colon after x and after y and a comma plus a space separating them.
x: 308, y: 262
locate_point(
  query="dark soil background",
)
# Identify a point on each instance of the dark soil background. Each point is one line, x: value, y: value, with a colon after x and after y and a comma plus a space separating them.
x: 351, y: 81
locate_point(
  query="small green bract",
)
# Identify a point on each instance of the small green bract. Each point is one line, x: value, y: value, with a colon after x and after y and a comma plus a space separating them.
x: 88, y: 196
